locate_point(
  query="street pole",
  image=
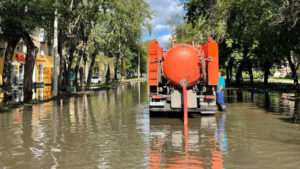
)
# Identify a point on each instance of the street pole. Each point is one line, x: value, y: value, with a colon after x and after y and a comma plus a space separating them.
x: 139, y: 64
x: 56, y: 57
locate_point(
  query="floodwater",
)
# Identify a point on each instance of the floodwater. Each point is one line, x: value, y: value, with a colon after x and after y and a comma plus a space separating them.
x: 113, y: 129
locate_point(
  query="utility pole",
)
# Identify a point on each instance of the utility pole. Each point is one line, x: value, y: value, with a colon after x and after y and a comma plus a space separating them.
x: 56, y: 57
x: 139, y: 64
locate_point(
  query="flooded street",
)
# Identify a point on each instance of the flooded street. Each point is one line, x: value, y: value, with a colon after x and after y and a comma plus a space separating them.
x: 113, y: 129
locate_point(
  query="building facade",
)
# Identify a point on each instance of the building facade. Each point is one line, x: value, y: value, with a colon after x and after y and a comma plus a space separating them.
x: 43, y: 64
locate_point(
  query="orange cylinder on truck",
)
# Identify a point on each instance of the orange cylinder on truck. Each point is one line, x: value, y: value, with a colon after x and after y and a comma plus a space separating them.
x: 182, y: 63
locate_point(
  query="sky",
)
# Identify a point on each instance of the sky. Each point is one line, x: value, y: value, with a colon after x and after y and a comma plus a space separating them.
x: 163, y: 10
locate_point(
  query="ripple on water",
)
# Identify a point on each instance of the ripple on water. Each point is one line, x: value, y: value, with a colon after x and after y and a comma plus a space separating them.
x: 112, y: 129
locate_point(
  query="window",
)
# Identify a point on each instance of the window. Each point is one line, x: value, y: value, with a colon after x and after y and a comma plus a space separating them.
x: 42, y: 35
x: 24, y: 48
x: 42, y: 52
x: 18, y: 48
x: 41, y: 93
x: 14, y: 74
x: 41, y: 73
x: 49, y: 50
x: 21, y: 73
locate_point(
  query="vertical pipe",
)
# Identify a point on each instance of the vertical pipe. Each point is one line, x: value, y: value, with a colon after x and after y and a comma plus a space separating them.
x: 139, y: 61
x: 185, y: 105
x: 56, y: 57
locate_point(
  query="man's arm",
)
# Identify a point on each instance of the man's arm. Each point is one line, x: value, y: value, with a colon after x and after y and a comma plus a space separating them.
x: 220, y: 88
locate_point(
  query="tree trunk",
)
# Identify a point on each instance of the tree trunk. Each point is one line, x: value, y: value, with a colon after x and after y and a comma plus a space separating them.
x: 6, y: 76
x: 116, y: 69
x: 64, y: 77
x: 81, y: 77
x: 107, y: 75
x: 227, y: 75
x: 85, y: 61
x: 61, y: 65
x: 116, y: 73
x: 32, y: 51
x: 239, y: 96
x: 294, y: 70
x: 123, y: 70
x: 266, y: 73
x: 297, y: 112
x: 88, y: 82
x: 76, y: 74
x: 229, y: 71
x: 69, y: 68
x: 238, y: 76
x: 250, y: 71
x: 120, y: 60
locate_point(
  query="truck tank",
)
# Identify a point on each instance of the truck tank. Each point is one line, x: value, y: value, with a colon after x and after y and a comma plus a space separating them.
x: 182, y: 62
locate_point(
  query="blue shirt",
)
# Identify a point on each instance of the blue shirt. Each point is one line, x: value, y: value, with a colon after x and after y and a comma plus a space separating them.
x: 221, y: 83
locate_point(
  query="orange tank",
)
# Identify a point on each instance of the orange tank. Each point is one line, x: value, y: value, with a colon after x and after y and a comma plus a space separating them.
x: 182, y: 63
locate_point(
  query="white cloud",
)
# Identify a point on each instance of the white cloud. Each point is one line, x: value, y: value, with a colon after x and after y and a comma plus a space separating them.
x: 163, y: 10
x: 164, y: 39
x: 160, y: 27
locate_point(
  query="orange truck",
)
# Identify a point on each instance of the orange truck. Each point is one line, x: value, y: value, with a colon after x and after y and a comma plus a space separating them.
x: 183, y: 78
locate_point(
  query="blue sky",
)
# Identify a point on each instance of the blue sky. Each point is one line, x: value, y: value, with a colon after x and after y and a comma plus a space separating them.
x: 163, y: 9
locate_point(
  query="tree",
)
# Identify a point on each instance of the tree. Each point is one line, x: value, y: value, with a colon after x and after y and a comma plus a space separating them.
x: 86, y: 28
x: 287, y: 24
x: 264, y: 33
x: 73, y: 21
x: 19, y: 20
x: 126, y: 20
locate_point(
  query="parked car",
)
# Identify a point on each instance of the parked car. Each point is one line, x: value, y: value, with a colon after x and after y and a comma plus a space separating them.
x: 95, y: 79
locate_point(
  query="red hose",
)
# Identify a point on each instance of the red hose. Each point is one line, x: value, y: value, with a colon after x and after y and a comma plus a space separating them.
x: 185, y: 109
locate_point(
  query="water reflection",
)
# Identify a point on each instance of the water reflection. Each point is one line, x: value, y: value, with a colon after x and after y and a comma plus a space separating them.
x: 112, y: 129
x: 202, y: 145
x: 239, y: 96
x: 42, y: 93
x: 107, y: 129
x: 272, y: 102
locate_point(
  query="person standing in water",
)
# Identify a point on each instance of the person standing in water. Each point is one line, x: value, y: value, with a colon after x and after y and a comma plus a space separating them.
x: 220, y: 92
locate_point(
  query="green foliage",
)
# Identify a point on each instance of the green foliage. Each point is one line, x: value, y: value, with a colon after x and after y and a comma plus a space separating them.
x: 144, y: 55
x: 108, y: 28
x: 261, y: 33
x: 25, y: 15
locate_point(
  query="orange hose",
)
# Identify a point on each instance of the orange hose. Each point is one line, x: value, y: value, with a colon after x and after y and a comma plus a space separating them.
x: 185, y: 109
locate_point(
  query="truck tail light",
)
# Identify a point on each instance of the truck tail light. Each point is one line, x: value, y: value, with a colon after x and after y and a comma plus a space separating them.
x: 157, y: 97
x: 210, y: 97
